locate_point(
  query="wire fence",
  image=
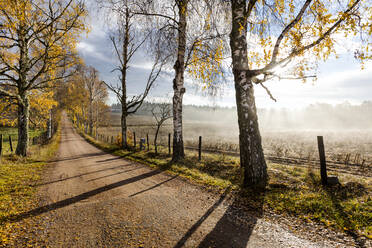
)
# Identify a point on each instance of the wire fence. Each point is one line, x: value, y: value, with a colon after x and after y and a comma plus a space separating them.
x: 350, y: 163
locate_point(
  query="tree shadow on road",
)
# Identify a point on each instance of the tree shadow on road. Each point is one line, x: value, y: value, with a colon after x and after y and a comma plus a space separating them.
x: 86, y: 155
x: 82, y: 174
x: 153, y: 187
x: 113, y: 174
x: 235, y: 227
x: 77, y: 198
x: 108, y: 160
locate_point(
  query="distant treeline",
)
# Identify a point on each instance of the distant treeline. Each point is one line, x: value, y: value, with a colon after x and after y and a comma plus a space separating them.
x: 314, y: 116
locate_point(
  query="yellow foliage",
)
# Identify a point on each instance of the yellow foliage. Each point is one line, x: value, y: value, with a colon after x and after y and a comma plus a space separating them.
x: 38, y: 46
x: 205, y: 65
x: 41, y: 102
x: 50, y: 41
x: 318, y: 18
x: 7, y: 112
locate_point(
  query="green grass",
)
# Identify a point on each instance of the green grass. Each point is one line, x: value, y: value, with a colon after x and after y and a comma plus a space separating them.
x: 17, y: 195
x: 13, y: 132
x: 294, y: 191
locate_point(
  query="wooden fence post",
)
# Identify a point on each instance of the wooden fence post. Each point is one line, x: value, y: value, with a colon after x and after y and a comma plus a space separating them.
x: 169, y: 143
x: 200, y: 146
x: 148, y: 143
x: 323, y: 167
x: 10, y: 143
x: 1, y: 145
x: 134, y: 139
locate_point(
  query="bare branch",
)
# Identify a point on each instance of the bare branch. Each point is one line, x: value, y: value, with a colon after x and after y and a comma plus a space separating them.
x: 267, y: 91
x: 154, y: 74
x: 112, y: 38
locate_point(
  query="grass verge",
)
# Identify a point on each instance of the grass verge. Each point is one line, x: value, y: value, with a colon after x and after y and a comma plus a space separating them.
x: 293, y: 191
x: 17, y: 195
x: 13, y: 132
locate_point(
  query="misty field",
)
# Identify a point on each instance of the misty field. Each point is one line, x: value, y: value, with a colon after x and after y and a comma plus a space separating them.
x: 347, y: 148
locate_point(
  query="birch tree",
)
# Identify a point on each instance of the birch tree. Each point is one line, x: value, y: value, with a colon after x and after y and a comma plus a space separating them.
x: 187, y: 46
x: 127, y: 38
x: 37, y: 42
x: 267, y: 35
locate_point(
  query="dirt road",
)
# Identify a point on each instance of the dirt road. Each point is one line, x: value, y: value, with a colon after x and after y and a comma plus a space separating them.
x: 93, y: 199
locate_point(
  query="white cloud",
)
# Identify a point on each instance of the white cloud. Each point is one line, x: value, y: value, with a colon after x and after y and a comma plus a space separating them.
x: 333, y: 86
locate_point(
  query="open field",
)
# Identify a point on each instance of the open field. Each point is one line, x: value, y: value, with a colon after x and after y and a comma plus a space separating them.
x: 344, y: 148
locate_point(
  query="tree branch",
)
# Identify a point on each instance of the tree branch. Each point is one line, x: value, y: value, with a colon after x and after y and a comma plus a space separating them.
x: 156, y: 14
x: 296, y: 52
x: 286, y: 30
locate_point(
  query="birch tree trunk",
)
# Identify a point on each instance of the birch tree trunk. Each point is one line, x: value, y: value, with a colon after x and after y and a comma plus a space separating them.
x: 124, y: 142
x: 178, y: 87
x: 23, y: 126
x: 252, y: 158
x: 124, y: 109
x: 124, y: 114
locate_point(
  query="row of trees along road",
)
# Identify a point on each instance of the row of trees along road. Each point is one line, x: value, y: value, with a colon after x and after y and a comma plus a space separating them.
x: 84, y: 97
x: 37, y: 50
x: 263, y: 40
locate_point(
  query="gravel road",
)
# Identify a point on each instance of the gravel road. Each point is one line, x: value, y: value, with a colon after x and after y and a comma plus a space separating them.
x: 94, y: 199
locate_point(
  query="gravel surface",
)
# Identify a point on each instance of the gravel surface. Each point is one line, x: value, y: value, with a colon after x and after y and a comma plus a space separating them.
x: 93, y: 199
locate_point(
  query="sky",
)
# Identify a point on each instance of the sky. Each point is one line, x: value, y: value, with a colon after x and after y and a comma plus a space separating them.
x: 339, y: 80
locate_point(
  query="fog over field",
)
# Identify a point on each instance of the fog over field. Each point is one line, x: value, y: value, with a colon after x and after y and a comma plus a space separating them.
x: 347, y: 129
x: 319, y: 117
